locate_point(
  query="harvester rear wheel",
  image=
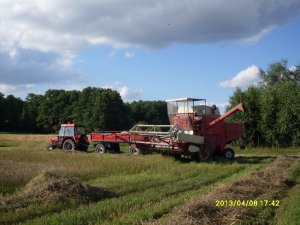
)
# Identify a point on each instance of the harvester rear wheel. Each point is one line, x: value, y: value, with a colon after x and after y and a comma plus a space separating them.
x: 68, y: 145
x: 133, y: 150
x: 228, y: 153
x: 205, y: 152
x: 100, y: 148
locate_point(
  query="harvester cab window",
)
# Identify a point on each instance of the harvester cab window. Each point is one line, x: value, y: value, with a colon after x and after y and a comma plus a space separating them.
x: 183, y: 106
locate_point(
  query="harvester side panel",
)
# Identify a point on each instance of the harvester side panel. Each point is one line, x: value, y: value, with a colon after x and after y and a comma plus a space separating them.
x: 233, y: 132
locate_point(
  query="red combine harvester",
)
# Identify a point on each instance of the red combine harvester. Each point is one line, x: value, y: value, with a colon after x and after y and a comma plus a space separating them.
x: 196, y: 129
x: 70, y: 137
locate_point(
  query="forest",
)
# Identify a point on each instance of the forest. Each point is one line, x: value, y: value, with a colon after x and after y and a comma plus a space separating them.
x: 272, y: 116
x: 95, y: 108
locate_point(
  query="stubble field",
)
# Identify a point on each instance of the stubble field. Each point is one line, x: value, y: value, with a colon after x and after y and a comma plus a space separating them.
x: 54, y: 187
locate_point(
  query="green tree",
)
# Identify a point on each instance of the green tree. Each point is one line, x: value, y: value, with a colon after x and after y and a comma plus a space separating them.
x: 30, y: 112
x: 56, y: 107
x: 150, y: 112
x: 2, y: 99
x: 251, y: 117
x: 272, y: 115
x: 12, y: 113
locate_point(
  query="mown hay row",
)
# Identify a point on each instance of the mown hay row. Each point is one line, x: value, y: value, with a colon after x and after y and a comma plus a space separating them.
x: 203, y: 210
x: 50, y: 187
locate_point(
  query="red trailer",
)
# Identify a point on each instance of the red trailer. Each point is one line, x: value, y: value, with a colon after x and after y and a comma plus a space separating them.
x: 196, y: 129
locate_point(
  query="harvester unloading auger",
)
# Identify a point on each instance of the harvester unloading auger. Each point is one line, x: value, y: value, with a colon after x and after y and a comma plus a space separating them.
x: 196, y: 129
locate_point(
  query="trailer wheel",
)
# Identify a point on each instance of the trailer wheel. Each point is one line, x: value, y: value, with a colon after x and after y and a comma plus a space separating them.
x: 68, y: 145
x: 205, y: 152
x: 229, y: 153
x: 100, y: 148
x: 133, y: 150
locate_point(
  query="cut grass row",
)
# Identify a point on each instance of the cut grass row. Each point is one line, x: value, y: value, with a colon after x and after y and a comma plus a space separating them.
x: 144, y: 204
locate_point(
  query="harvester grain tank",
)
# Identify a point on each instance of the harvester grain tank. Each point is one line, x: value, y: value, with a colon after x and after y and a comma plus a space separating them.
x: 195, y: 129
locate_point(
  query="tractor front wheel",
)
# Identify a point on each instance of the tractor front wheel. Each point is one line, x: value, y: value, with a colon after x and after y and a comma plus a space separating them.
x: 100, y: 148
x: 133, y: 150
x: 51, y: 147
x: 68, y: 145
x: 229, y: 153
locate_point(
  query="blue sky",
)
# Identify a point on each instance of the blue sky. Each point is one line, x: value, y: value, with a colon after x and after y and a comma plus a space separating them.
x: 149, y: 50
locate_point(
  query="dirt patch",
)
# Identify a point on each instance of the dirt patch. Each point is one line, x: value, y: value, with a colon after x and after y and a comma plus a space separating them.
x: 274, y: 179
x: 50, y: 188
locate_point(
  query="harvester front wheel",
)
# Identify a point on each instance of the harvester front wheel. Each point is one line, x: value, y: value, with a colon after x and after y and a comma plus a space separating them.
x: 68, y: 145
x: 229, y: 153
x: 205, y: 152
x: 100, y: 148
x: 133, y: 150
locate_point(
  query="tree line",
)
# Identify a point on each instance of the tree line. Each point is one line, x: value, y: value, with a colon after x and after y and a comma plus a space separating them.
x: 272, y: 115
x: 95, y: 108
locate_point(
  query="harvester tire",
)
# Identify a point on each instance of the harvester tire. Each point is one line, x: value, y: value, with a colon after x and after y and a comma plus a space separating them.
x: 133, y: 150
x: 228, y: 153
x: 100, y: 148
x: 205, y: 152
x: 68, y: 145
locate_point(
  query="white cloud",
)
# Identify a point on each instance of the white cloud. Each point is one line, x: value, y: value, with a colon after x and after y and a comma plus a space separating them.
x: 39, y: 39
x: 31, y: 71
x: 244, y: 78
x: 129, y: 54
x: 255, y: 38
x: 19, y: 88
x: 69, y: 25
x: 130, y: 94
x: 127, y: 93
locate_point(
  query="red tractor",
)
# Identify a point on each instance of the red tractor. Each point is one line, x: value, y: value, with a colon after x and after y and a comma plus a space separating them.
x: 70, y: 137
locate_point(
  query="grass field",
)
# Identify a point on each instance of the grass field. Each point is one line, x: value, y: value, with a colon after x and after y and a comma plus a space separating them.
x: 142, y: 189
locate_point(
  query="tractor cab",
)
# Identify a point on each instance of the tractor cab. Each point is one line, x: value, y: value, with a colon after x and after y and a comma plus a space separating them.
x: 70, y: 130
x: 70, y: 137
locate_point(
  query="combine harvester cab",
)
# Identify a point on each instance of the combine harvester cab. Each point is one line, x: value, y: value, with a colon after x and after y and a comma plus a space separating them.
x: 195, y: 129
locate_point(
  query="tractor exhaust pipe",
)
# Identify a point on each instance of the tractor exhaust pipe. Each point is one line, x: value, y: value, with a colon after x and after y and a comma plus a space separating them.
x: 238, y: 107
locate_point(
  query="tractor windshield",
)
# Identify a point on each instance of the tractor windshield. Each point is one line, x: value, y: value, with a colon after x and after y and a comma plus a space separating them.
x: 80, y: 131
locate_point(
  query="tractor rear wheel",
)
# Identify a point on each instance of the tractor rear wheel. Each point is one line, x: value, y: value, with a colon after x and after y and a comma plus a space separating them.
x: 133, y: 150
x: 100, y: 148
x: 68, y: 145
x: 228, y: 153
x: 205, y: 152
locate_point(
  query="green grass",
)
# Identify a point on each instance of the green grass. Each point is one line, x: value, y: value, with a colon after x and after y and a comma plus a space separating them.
x: 147, y: 187
x: 267, y: 151
x: 289, y: 212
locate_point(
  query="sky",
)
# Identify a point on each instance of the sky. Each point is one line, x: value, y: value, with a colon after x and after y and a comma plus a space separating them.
x: 148, y: 50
